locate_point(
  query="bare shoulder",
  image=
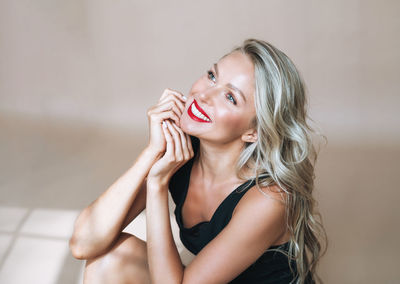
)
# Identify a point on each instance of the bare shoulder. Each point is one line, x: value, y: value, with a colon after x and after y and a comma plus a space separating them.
x: 267, y: 206
x: 258, y: 198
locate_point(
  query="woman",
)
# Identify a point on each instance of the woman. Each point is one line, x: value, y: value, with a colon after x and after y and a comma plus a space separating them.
x: 236, y: 155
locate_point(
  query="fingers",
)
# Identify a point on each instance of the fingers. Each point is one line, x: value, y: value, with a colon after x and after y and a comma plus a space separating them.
x: 169, y: 107
x: 171, y: 95
x: 163, y: 112
x: 178, y: 145
x: 178, y: 153
x: 185, y: 142
x: 168, y: 92
x: 170, y: 143
x: 178, y: 99
x: 170, y: 100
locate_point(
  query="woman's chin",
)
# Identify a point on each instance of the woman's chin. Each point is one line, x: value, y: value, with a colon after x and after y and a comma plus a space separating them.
x: 191, y: 127
x: 188, y: 129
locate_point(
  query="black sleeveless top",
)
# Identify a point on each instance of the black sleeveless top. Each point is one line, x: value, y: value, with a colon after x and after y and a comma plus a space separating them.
x: 271, y: 267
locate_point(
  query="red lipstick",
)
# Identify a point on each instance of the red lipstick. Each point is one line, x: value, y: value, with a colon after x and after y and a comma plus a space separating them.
x: 197, y: 113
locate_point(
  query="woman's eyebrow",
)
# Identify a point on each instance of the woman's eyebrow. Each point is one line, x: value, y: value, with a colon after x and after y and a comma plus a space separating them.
x: 229, y: 84
x: 216, y: 69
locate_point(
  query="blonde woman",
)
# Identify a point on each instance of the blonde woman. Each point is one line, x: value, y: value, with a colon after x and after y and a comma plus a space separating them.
x: 237, y: 156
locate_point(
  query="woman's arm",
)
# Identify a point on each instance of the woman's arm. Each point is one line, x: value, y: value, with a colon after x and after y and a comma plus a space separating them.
x: 165, y: 265
x: 100, y: 223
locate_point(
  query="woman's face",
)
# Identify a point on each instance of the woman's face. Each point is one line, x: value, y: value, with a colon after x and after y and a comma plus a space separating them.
x: 220, y: 104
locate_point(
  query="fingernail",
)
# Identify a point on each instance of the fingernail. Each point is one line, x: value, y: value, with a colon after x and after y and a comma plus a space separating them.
x: 164, y: 124
x: 184, y: 98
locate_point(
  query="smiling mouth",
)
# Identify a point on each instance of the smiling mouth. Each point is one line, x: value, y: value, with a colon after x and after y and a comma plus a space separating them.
x: 197, y: 113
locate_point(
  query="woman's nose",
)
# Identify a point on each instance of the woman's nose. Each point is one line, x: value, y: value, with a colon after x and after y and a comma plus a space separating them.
x: 207, y: 95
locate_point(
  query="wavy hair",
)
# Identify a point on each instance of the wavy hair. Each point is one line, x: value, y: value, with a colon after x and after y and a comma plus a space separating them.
x: 284, y: 153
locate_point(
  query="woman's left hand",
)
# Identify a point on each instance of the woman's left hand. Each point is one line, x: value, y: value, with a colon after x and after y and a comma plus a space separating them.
x: 178, y: 151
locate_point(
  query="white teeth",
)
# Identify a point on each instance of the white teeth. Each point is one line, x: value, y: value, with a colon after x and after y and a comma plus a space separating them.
x: 197, y: 113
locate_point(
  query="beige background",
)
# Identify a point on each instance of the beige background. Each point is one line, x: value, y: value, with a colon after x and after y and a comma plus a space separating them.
x: 76, y: 79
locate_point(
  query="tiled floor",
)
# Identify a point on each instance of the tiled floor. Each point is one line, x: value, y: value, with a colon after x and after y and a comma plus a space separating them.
x: 34, y: 245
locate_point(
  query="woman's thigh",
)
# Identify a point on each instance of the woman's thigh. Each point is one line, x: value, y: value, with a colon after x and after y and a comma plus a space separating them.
x: 125, y: 262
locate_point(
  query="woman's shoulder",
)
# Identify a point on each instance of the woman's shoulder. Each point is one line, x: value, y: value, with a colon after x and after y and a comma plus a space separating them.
x: 265, y: 201
x: 263, y: 195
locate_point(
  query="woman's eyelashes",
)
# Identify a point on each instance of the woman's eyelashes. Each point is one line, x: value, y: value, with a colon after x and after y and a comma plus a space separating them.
x: 229, y: 96
x: 211, y: 76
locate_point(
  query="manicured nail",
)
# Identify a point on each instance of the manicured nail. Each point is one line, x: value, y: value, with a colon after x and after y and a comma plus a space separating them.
x: 164, y: 124
x: 184, y: 98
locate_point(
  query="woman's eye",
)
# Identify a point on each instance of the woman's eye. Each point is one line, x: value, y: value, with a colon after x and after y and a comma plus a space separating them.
x: 212, y: 78
x: 231, y: 98
x: 211, y: 75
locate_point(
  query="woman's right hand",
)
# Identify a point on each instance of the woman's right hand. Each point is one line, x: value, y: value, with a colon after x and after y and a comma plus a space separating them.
x: 170, y: 106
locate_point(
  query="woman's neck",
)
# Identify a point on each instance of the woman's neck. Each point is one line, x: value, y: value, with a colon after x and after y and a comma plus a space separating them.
x: 217, y: 163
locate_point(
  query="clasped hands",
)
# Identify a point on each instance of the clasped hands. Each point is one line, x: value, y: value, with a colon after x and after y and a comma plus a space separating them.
x: 167, y: 140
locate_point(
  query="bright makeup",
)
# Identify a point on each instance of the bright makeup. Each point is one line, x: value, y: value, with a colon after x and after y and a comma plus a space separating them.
x: 197, y: 113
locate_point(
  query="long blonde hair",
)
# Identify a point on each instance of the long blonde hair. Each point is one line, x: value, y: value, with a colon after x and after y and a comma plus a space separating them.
x: 284, y: 153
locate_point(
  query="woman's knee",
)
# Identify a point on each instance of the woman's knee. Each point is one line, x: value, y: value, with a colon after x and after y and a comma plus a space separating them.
x: 125, y: 262
x: 128, y: 249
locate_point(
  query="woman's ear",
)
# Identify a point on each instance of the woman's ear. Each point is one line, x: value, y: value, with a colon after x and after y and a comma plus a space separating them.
x: 250, y: 136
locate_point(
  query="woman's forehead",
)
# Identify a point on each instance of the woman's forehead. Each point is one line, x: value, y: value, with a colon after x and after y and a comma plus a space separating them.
x: 237, y: 69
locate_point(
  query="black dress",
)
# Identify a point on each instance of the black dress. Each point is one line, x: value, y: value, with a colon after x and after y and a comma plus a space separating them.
x: 271, y: 267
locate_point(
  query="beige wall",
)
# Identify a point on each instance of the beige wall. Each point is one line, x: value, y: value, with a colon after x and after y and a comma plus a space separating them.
x: 106, y: 62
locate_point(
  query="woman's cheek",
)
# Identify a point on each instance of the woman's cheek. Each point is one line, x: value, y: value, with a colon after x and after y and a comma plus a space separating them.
x: 233, y: 124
